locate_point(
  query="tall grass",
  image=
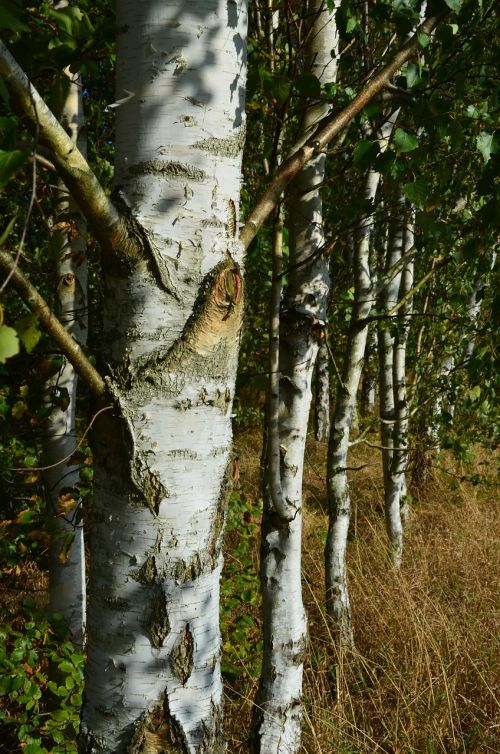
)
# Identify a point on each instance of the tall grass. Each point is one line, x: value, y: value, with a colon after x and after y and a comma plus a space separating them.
x: 424, y: 676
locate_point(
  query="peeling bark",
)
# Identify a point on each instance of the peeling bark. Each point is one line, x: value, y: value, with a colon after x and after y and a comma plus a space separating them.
x: 173, y: 316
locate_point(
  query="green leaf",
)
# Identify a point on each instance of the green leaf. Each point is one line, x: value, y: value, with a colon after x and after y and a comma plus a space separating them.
x: 9, y: 163
x: 423, y: 39
x: 484, y: 142
x: 9, y: 343
x: 65, y: 18
x: 7, y: 230
x: 404, y: 141
x: 412, y: 75
x: 417, y: 192
x: 365, y: 153
x: 65, y: 666
x: 454, y: 4
x: 27, y: 329
x: 34, y: 747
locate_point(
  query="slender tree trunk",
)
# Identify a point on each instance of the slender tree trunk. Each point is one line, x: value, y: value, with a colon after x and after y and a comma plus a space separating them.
x: 387, y: 300
x: 278, y: 708
x: 172, y: 319
x: 401, y: 426
x: 67, y: 555
x: 367, y: 398
x: 339, y: 501
x: 322, y: 395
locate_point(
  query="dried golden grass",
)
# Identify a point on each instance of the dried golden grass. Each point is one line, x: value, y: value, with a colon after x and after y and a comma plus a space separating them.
x: 424, y: 677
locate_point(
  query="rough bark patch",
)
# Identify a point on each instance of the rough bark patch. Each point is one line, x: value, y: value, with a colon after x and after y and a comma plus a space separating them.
x: 159, y: 625
x: 158, y: 732
x: 181, y: 660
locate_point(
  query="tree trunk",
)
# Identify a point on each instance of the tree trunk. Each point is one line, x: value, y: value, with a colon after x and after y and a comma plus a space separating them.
x: 387, y: 300
x: 339, y: 501
x: 278, y: 708
x: 367, y: 398
x: 401, y: 426
x: 67, y: 556
x: 172, y: 316
x: 322, y: 395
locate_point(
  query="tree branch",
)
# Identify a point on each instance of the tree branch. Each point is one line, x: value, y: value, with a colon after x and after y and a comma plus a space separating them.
x: 107, y: 225
x: 53, y: 326
x: 327, y: 129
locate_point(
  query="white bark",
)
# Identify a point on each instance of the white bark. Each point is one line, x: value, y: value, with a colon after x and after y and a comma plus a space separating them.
x: 278, y: 710
x: 387, y: 300
x: 397, y: 492
x: 322, y: 395
x: 172, y: 323
x: 67, y: 567
x: 339, y: 501
x: 367, y: 399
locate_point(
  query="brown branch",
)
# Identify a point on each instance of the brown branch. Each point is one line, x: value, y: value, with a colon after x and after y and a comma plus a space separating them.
x: 326, y: 131
x: 53, y: 326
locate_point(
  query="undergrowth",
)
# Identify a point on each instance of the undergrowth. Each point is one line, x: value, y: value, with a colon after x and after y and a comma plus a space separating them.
x: 424, y: 676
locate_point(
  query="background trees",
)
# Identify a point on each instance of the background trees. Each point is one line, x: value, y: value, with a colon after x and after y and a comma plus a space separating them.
x: 165, y: 325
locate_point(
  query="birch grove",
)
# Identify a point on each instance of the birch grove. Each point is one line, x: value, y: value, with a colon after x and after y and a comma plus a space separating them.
x: 296, y: 338
x: 167, y: 310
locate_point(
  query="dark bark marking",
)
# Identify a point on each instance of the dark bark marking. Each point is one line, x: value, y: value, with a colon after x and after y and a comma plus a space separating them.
x: 158, y: 732
x: 147, y: 573
x: 159, y: 625
x: 154, y: 491
x: 168, y: 169
x: 181, y: 660
x: 208, y: 340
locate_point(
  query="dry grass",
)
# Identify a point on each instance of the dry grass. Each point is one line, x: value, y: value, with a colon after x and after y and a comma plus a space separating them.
x: 424, y: 678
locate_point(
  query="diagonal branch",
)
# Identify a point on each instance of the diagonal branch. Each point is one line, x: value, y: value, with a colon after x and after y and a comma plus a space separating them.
x: 52, y: 325
x: 325, y: 132
x: 107, y: 224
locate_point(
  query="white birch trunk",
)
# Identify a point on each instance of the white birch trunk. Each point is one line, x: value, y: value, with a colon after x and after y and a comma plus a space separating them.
x: 322, y: 395
x: 67, y: 566
x: 367, y: 398
x: 399, y: 463
x: 339, y: 501
x: 278, y: 708
x: 387, y: 300
x: 172, y: 324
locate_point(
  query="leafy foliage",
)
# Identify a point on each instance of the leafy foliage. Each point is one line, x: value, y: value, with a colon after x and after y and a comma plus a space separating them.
x: 41, y: 677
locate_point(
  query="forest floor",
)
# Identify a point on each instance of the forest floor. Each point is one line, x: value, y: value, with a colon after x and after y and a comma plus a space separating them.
x: 424, y: 677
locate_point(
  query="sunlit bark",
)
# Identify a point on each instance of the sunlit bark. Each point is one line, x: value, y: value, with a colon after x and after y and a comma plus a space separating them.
x: 172, y: 318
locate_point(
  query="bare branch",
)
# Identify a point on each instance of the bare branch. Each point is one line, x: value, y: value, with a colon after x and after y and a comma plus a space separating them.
x: 53, y: 326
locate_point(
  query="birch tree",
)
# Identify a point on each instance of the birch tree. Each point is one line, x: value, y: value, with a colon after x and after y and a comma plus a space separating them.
x: 294, y: 339
x: 339, y: 501
x: 171, y: 266
x: 172, y: 316
x: 67, y: 585
x: 390, y: 257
